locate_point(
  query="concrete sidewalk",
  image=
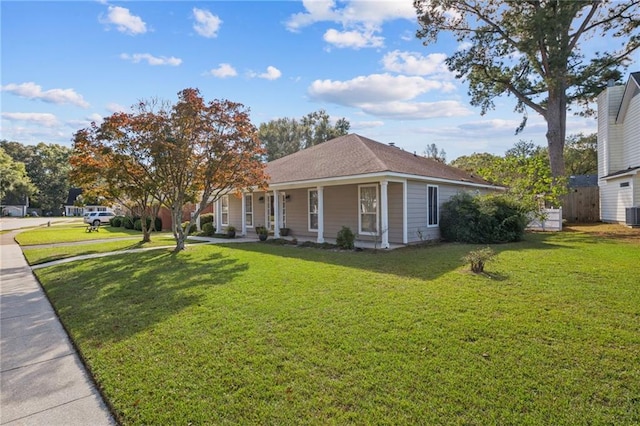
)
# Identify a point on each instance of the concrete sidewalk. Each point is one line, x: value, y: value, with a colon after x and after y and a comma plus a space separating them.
x: 42, y: 380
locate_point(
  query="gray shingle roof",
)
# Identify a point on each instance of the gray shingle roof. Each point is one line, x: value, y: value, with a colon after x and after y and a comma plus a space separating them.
x: 353, y: 155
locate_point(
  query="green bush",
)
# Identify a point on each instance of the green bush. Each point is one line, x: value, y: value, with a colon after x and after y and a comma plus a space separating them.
x: 345, y: 238
x: 137, y: 225
x: 128, y: 222
x: 206, y: 218
x: 116, y: 221
x: 192, y: 229
x: 208, y: 229
x: 483, y: 219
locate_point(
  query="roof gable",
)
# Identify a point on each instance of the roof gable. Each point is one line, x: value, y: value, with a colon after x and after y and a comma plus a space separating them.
x: 632, y: 88
x: 354, y: 155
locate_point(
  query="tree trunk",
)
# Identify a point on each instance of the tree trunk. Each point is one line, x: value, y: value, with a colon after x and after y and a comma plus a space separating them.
x: 178, y: 232
x: 556, y: 129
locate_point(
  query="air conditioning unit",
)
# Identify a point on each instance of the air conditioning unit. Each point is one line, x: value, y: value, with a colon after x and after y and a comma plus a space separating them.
x: 633, y: 216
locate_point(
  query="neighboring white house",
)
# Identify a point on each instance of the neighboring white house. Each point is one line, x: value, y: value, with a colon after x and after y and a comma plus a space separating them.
x: 619, y: 149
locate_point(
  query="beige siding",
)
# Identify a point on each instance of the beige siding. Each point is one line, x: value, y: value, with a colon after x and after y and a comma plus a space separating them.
x: 297, y: 214
x: 235, y: 212
x: 340, y: 209
x: 394, y: 199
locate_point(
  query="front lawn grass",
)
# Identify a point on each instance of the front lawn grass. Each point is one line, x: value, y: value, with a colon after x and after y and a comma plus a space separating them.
x: 40, y: 255
x: 263, y: 334
x: 71, y: 233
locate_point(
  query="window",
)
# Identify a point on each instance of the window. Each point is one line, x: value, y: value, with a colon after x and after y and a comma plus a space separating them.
x: 224, y: 201
x: 624, y: 185
x: 248, y: 210
x: 368, y: 207
x: 313, y: 210
x: 432, y: 205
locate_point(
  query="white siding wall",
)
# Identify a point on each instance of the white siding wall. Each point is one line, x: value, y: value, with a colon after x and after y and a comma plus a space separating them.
x: 631, y: 135
x: 615, y: 131
x: 615, y: 199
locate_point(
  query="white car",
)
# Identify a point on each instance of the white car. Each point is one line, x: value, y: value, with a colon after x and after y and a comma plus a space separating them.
x: 97, y: 218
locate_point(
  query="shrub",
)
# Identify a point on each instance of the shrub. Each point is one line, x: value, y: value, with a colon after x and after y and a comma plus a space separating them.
x: 192, y: 229
x: 345, y: 238
x: 206, y: 218
x: 116, y: 221
x: 478, y: 258
x: 483, y: 219
x: 137, y: 225
x: 208, y: 229
x: 128, y: 222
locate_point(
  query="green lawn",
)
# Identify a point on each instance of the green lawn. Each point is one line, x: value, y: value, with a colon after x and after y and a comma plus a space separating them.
x: 262, y: 334
x: 71, y: 233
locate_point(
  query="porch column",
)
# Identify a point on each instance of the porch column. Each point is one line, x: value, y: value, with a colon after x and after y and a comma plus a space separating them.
x: 384, y: 214
x: 320, y: 214
x: 276, y: 214
x: 405, y: 216
x: 218, y: 208
x: 244, y: 216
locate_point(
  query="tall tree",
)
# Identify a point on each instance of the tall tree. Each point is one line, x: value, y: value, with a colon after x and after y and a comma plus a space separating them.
x: 532, y: 50
x: 581, y: 154
x: 285, y: 136
x: 14, y: 180
x: 207, y: 150
x: 48, y: 168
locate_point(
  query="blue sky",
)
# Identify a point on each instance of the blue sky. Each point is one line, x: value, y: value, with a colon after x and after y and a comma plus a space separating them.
x: 65, y: 64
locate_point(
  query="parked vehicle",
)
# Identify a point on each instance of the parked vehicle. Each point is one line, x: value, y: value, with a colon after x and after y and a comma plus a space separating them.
x: 97, y: 218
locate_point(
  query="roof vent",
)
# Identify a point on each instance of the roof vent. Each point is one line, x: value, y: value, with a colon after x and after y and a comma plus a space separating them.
x: 392, y: 144
x: 611, y: 83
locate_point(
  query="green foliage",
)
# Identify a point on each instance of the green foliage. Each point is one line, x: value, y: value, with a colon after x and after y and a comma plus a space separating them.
x: 47, y: 166
x: 346, y: 238
x: 206, y: 218
x: 14, y: 179
x: 581, y: 155
x: 137, y: 225
x: 482, y: 219
x: 208, y: 229
x: 192, y: 229
x: 116, y: 221
x: 285, y: 136
x: 128, y: 222
x: 478, y: 258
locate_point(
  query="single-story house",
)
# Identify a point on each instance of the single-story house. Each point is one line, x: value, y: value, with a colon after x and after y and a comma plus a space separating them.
x: 71, y: 209
x: 16, y: 206
x: 384, y: 194
x: 619, y: 151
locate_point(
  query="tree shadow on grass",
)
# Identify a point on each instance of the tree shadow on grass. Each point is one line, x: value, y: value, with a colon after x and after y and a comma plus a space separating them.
x: 424, y: 262
x: 112, y: 298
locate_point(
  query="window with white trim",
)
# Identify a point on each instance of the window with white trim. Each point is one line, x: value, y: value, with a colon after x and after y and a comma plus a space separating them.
x: 248, y: 210
x: 432, y: 205
x: 368, y: 209
x: 224, y: 207
x: 313, y: 210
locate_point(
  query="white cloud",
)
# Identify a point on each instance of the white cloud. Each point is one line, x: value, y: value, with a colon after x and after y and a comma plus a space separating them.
x: 31, y: 90
x: 224, y: 71
x: 415, y: 64
x: 361, y: 20
x: 354, y: 39
x: 416, y: 110
x: 115, y: 107
x: 272, y: 73
x: 375, y: 88
x: 207, y: 24
x: 86, y: 122
x: 151, y: 60
x: 39, y: 118
x: 354, y: 12
x: 367, y: 124
x: 124, y: 21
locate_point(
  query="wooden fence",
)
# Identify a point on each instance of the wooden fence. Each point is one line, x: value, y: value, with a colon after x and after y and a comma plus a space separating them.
x: 581, y: 205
